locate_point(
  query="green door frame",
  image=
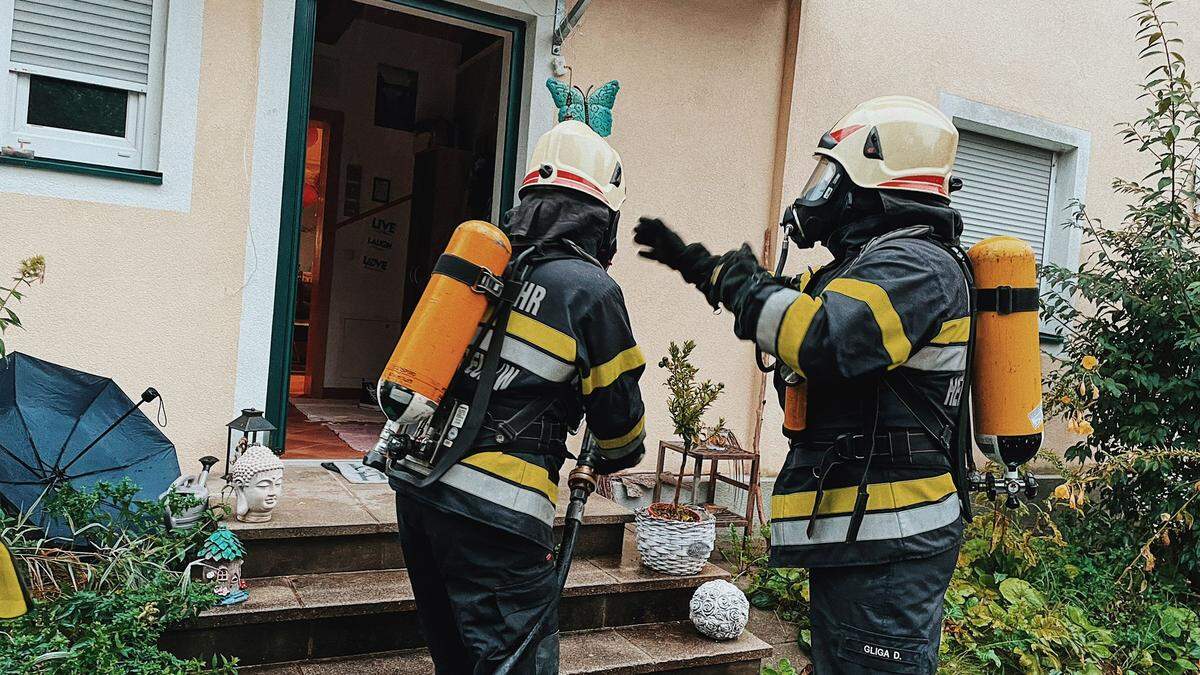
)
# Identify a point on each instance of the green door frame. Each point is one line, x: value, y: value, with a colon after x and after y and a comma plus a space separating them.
x: 303, y: 42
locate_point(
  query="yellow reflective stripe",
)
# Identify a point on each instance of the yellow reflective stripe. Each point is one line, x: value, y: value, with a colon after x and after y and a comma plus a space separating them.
x: 955, y: 330
x: 895, y: 342
x: 794, y: 327
x: 880, y: 497
x: 606, y: 373
x: 610, y: 443
x: 535, y: 332
x: 516, y: 470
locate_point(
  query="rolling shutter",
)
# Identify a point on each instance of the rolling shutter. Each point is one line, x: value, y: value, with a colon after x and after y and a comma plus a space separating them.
x: 103, y: 42
x: 1006, y: 189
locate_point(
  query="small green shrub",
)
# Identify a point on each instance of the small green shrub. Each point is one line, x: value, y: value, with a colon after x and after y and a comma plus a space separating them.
x: 102, y: 604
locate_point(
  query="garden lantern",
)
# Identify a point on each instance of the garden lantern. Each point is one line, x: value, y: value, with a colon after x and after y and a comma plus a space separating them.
x: 254, y: 429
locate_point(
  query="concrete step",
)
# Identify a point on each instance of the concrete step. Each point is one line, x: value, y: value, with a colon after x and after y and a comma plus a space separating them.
x: 293, y: 618
x: 672, y: 647
x: 325, y: 524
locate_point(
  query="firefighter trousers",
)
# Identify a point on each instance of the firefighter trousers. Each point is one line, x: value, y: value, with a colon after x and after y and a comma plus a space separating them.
x: 879, y: 618
x: 479, y: 591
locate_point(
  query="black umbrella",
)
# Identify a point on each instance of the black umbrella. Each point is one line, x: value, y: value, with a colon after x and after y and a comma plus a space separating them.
x: 59, y: 426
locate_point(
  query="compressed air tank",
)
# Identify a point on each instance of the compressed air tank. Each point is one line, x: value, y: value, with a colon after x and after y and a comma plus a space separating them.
x: 436, y: 338
x: 1006, y: 385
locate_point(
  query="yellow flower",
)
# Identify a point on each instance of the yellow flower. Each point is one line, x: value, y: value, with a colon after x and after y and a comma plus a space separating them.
x: 1062, y: 491
x: 1085, y: 428
x: 1089, y: 362
x: 1066, y: 400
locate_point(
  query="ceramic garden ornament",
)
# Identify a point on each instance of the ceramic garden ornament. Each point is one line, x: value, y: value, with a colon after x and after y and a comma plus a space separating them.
x: 257, y: 480
x: 719, y: 610
x: 221, y: 559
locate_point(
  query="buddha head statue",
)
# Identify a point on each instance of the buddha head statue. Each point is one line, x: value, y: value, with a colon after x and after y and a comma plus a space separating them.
x: 257, y: 479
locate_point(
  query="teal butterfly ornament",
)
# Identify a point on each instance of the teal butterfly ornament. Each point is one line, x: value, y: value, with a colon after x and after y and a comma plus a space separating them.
x: 593, y: 108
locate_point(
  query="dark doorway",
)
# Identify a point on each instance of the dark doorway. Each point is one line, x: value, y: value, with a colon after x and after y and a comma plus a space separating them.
x: 403, y: 143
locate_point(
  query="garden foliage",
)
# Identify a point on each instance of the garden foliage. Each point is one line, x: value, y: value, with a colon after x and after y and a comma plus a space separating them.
x: 104, y: 599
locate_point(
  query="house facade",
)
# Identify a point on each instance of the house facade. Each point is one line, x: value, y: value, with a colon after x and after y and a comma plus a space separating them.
x: 231, y: 195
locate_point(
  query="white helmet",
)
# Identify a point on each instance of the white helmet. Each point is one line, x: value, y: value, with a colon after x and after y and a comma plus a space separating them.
x: 888, y: 143
x: 572, y: 155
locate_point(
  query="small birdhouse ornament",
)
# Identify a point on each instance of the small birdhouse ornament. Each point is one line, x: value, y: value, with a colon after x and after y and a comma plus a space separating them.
x: 221, y: 559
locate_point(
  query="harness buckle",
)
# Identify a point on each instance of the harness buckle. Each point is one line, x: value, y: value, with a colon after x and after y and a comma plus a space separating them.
x: 849, y: 447
x: 488, y: 284
x: 1004, y: 300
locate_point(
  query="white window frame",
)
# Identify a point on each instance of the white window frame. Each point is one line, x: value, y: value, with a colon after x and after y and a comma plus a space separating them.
x: 1072, y: 148
x: 137, y: 150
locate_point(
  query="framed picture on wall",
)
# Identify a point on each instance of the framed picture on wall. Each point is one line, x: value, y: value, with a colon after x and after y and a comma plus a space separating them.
x: 395, y: 97
x: 381, y: 190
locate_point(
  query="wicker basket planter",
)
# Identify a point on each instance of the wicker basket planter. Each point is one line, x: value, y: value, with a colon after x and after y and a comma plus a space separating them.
x: 674, y: 546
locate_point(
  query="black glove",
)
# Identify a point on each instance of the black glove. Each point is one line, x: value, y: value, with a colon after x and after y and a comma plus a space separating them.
x: 605, y: 466
x: 692, y: 260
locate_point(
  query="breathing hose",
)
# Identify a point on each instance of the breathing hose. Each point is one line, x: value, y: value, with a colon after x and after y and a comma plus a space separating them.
x: 582, y: 482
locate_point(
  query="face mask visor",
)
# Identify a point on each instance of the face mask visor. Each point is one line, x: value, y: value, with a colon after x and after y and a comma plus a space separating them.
x: 822, y: 183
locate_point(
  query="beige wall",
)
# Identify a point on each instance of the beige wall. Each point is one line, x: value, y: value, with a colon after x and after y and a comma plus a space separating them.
x: 149, y: 297
x: 695, y: 125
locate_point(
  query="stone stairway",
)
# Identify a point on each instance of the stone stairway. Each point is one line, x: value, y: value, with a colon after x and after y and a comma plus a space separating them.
x: 329, y: 593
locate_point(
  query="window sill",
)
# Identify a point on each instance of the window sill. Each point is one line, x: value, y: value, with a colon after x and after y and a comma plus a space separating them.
x: 131, y: 175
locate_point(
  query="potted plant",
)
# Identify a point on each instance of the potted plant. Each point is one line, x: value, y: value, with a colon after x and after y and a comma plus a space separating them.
x: 674, y: 538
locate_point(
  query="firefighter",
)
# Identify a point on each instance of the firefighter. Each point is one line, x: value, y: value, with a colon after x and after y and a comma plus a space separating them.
x: 868, y: 498
x: 479, y: 542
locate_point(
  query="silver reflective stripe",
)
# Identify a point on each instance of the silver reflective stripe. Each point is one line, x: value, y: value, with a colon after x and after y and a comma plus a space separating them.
x: 617, y: 453
x: 534, y: 360
x: 937, y: 358
x: 499, y: 492
x: 771, y: 317
x: 875, y: 526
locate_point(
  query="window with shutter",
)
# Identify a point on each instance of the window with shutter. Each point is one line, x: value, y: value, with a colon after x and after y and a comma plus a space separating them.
x: 1006, y: 189
x: 85, y: 78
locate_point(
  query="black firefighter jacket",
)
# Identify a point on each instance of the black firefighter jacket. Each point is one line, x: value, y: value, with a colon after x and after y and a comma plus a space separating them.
x: 568, y: 341
x: 893, y: 301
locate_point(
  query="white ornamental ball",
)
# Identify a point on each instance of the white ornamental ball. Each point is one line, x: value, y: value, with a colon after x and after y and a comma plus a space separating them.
x: 719, y: 610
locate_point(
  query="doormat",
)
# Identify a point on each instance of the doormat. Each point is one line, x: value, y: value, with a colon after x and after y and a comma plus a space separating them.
x: 354, y: 472
x: 361, y: 437
x: 336, y: 410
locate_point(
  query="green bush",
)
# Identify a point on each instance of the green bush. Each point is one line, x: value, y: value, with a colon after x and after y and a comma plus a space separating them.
x: 1128, y: 376
x: 102, y: 604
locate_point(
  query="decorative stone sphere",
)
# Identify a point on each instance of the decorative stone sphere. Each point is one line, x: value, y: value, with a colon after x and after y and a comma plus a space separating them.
x: 719, y: 610
x: 257, y: 479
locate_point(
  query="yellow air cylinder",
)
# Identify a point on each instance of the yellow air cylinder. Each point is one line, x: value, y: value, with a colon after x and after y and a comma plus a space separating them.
x: 1007, y: 368
x: 436, y: 338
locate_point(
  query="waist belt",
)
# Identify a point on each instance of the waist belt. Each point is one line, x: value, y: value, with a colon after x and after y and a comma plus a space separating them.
x: 527, y: 430
x: 898, y: 445
x: 851, y: 448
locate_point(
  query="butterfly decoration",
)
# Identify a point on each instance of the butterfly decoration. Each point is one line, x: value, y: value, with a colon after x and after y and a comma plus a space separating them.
x: 593, y: 108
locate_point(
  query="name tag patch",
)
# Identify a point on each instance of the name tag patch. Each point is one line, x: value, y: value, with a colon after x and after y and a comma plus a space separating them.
x: 882, y: 653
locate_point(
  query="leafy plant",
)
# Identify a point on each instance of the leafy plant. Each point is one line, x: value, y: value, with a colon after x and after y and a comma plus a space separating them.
x: 105, y: 595
x: 1128, y: 377
x: 785, y: 667
x: 688, y: 400
x: 29, y: 270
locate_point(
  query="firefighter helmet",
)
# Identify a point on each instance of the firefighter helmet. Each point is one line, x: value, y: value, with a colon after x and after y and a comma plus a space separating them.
x: 887, y: 143
x: 572, y: 155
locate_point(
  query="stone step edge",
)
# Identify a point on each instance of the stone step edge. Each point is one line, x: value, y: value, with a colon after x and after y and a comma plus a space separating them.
x: 261, y: 533
x: 599, y: 650
x: 582, y: 581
